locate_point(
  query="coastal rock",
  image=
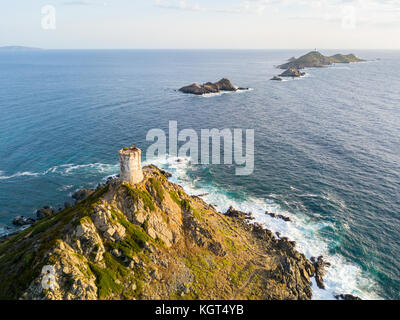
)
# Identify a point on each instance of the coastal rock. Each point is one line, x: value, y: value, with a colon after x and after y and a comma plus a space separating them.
x: 82, y: 194
x: 320, y: 270
x: 44, y: 212
x: 348, y: 297
x: 292, y: 72
x: 276, y: 78
x: 22, y: 221
x: 209, y: 87
x: 232, y: 212
x: 278, y: 216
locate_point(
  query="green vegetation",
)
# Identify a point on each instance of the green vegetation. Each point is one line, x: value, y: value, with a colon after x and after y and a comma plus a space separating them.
x: 174, y: 196
x: 17, y: 251
x: 158, y: 188
x: 202, y: 266
x: 110, y: 280
x: 239, y: 275
x: 135, y: 239
x: 185, y: 203
x: 143, y: 195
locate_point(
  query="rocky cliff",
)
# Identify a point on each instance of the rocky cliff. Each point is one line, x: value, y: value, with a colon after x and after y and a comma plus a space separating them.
x: 150, y: 241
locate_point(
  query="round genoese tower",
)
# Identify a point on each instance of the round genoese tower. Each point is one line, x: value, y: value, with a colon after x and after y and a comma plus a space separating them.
x: 131, y: 165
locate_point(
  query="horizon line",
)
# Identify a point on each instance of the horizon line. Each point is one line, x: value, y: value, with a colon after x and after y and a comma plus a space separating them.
x: 197, y: 49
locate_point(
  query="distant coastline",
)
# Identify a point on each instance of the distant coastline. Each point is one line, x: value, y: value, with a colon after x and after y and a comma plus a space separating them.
x: 18, y: 49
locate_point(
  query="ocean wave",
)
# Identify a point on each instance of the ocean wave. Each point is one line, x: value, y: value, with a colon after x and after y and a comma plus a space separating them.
x: 18, y: 174
x: 64, y: 170
x: 65, y: 188
x: 3, y: 231
x: 342, y: 277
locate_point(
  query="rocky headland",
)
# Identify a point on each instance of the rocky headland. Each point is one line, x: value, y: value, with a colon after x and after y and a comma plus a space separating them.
x: 150, y: 241
x: 209, y: 87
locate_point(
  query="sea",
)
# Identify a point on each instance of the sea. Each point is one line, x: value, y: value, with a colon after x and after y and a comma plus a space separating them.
x: 327, y: 145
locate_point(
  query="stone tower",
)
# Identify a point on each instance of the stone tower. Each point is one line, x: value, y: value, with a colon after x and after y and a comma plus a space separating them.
x: 131, y: 167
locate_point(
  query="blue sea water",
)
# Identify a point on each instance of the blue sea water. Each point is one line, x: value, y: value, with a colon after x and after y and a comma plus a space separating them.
x: 327, y: 146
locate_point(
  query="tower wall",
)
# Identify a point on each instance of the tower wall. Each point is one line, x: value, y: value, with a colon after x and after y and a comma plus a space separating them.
x: 131, y: 165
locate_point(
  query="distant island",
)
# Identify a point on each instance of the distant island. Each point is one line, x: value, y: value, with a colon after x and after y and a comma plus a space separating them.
x: 209, y: 87
x: 18, y: 48
x: 313, y: 59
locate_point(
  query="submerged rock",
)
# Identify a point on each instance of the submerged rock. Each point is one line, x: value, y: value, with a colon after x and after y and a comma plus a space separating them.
x: 320, y: 270
x: 22, y: 221
x: 82, y: 194
x: 349, y: 297
x: 278, y: 216
x: 44, y: 212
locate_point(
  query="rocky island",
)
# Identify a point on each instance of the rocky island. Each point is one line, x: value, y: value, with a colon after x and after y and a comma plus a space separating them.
x: 142, y: 237
x: 292, y: 72
x: 209, y: 87
x: 315, y: 59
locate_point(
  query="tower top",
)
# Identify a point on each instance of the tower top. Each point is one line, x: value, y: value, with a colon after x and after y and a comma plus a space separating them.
x: 132, y: 148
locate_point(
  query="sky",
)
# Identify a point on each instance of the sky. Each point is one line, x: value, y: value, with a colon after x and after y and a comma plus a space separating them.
x: 201, y: 24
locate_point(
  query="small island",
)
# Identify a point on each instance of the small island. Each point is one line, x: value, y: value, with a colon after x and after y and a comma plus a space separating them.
x: 313, y: 59
x: 292, y: 72
x: 209, y: 87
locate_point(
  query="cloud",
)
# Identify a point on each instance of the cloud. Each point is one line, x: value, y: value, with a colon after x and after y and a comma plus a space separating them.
x: 244, y: 6
x: 85, y: 3
x: 366, y: 12
x: 179, y: 5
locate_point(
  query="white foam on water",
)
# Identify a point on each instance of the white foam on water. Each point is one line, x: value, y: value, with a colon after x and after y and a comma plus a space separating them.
x: 100, y: 167
x: 19, y: 174
x: 3, y: 231
x: 341, y: 278
x: 65, y: 188
x: 286, y: 79
x: 65, y: 170
x: 210, y: 95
